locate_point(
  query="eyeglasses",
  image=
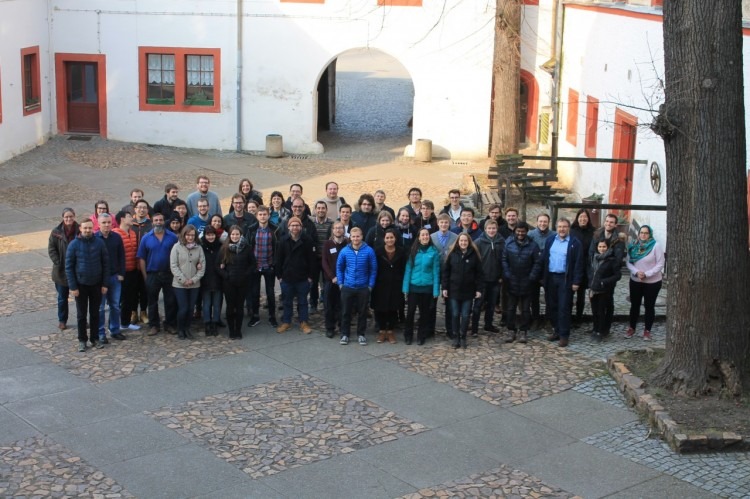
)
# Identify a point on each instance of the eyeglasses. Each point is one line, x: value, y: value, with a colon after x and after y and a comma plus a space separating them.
x: 297, y: 207
x: 295, y: 225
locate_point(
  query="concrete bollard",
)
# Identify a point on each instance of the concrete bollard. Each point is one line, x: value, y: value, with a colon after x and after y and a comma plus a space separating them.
x: 423, y: 150
x: 274, y: 146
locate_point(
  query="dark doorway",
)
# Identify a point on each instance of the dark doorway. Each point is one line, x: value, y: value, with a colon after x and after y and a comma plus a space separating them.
x: 523, y: 112
x: 82, y: 97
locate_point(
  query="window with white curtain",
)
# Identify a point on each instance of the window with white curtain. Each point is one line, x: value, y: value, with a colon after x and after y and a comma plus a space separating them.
x: 200, y: 78
x: 161, y: 78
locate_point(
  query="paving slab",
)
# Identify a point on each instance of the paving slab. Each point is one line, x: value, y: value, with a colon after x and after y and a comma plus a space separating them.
x: 248, y: 489
x: 121, y: 439
x: 371, y: 377
x: 13, y: 428
x: 24, y: 261
x: 14, y: 355
x: 26, y: 382
x: 241, y: 370
x: 183, y: 471
x: 575, y: 414
x: 58, y: 411
x: 663, y: 487
x: 316, y: 353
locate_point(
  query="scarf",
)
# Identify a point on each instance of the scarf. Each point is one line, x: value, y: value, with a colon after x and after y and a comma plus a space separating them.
x: 639, y: 249
x: 238, y: 246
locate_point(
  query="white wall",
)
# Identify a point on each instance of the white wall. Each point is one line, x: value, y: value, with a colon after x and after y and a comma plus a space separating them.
x: 23, y: 23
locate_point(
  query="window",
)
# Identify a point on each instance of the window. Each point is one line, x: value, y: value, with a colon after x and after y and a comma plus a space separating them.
x: 32, y: 100
x: 572, y: 131
x: 180, y: 79
x: 592, y: 125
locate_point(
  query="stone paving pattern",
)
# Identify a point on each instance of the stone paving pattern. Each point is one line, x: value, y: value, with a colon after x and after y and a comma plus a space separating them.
x: 495, y: 483
x: 27, y: 291
x: 602, y: 388
x: 137, y: 355
x: 40, y: 467
x: 272, y: 427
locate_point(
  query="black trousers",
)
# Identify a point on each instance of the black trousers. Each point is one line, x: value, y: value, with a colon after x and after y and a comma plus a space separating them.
x: 354, y: 299
x: 333, y: 305
x: 513, y: 302
x: 87, y: 305
x: 646, y: 293
x: 602, y: 309
x: 235, y: 297
x: 422, y: 301
x: 128, y: 295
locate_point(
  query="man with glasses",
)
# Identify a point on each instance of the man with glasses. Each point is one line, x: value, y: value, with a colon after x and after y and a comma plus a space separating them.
x: 415, y: 204
x: 238, y: 216
x: 453, y: 209
x: 203, y: 192
x: 295, y: 192
x: 494, y: 212
x: 142, y: 226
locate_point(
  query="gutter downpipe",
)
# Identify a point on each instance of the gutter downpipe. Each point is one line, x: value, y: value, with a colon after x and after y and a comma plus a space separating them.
x: 239, y: 76
x: 557, y: 38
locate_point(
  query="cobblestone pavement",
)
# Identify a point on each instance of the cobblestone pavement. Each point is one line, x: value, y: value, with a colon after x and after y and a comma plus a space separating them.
x: 27, y: 291
x: 272, y: 427
x: 137, y: 355
x: 602, y: 388
x: 40, y: 467
x: 496, y: 483
x: 725, y: 474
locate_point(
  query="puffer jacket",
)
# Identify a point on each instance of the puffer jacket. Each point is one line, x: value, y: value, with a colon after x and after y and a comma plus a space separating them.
x: 604, y: 272
x: 130, y: 245
x: 356, y: 269
x: 86, y: 262
x: 184, y: 263
x: 424, y: 271
x: 522, y: 265
x: 239, y: 265
x: 491, y: 253
x: 462, y: 274
x: 57, y: 248
x: 211, y: 280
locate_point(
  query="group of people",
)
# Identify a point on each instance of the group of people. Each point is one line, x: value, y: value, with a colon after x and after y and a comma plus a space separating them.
x: 349, y: 259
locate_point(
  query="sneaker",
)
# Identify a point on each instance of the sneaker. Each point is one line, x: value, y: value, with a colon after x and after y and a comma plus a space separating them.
x: 132, y: 327
x: 630, y: 333
x: 94, y: 344
x: 646, y: 335
x: 99, y: 345
x: 253, y: 322
x: 596, y: 337
x: 305, y: 327
x: 81, y: 346
x: 344, y: 340
x: 104, y: 341
x: 118, y: 336
x: 272, y: 321
x: 362, y: 340
x: 284, y: 327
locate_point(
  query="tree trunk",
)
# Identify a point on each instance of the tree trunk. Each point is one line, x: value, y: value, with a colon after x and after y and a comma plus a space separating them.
x: 506, y: 78
x: 702, y: 122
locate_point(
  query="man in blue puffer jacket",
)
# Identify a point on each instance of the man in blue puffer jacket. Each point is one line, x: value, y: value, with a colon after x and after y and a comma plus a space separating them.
x: 86, y: 267
x: 356, y: 269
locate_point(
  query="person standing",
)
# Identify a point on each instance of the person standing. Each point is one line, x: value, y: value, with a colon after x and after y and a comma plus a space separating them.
x: 323, y: 226
x: 364, y: 217
x: 278, y: 211
x: 295, y: 192
x: 444, y: 240
x: 247, y: 189
x: 166, y: 205
x: 406, y: 230
x: 332, y: 295
x: 200, y: 219
x: 235, y: 264
x: 427, y: 218
x: 59, y: 239
x: 86, y: 265
x: 262, y: 241
x: 415, y: 204
x: 386, y: 296
x: 467, y: 224
x: 582, y: 229
x: 539, y: 235
x: 380, y: 205
x: 128, y: 291
x: 142, y: 225
x: 490, y: 247
x: 356, y: 269
x: 114, y: 276
x: 332, y: 199
x: 511, y: 219
x: 238, y: 216
x: 374, y: 238
x: 202, y: 192
x: 645, y: 264
x: 604, y: 272
x: 188, y: 265
x: 421, y: 285
x: 154, y: 261
x: 562, y: 263
x: 454, y: 208
x: 462, y: 283
x: 522, y: 267
x: 295, y: 260
x: 211, y: 288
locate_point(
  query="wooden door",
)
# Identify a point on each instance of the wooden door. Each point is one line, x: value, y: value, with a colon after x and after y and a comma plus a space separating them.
x: 82, y: 97
x: 621, y: 179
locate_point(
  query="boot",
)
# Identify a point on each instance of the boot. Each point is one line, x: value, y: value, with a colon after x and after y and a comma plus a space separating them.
x: 456, y: 341
x: 208, y: 329
x: 511, y: 336
x: 381, y: 336
x: 181, y: 334
x: 522, y: 339
x: 391, y: 335
x: 463, y: 341
x: 188, y: 334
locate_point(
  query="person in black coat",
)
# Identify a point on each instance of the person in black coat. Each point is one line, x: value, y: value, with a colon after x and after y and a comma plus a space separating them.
x: 386, y: 295
x: 374, y: 237
x: 462, y: 283
x: 604, y: 272
x: 522, y: 267
x: 235, y: 264
x: 583, y: 229
x: 211, y: 286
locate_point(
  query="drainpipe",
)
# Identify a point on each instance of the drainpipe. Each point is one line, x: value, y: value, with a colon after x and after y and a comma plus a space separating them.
x: 557, y: 32
x: 239, y: 76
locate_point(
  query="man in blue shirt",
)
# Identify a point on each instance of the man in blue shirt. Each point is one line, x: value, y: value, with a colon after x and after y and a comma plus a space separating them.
x: 356, y: 269
x: 563, y: 273
x: 153, y: 260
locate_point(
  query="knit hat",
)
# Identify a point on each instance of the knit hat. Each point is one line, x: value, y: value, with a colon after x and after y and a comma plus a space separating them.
x: 293, y: 219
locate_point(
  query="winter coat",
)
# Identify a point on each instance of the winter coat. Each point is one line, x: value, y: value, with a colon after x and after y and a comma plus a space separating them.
x: 386, y: 295
x: 407, y: 236
x: 491, y: 253
x: 423, y: 271
x: 116, y: 252
x: 616, y: 242
x: 331, y: 251
x: 130, y: 247
x: 474, y: 231
x: 184, y: 262
x: 294, y: 261
x: 211, y: 280
x: 86, y: 262
x: 585, y: 235
x: 376, y: 236
x: 245, y: 223
x: 429, y: 224
x: 276, y: 217
x: 462, y: 274
x: 356, y: 269
x: 57, y: 248
x: 364, y: 221
x: 604, y: 272
x: 574, y: 261
x: 522, y: 266
x: 239, y: 265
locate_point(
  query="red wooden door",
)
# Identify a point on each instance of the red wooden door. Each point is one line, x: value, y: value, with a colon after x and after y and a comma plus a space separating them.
x: 82, y: 97
x: 621, y: 180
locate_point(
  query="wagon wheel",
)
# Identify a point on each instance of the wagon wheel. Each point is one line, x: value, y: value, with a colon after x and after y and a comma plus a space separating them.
x: 655, y: 177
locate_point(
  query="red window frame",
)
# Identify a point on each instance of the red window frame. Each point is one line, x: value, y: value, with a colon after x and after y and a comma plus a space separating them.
x: 31, y: 81
x: 572, y: 126
x: 592, y: 126
x: 180, y: 79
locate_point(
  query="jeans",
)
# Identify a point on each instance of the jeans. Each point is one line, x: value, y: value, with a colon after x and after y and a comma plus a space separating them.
x: 128, y: 295
x: 63, y: 292
x: 290, y: 290
x: 489, y: 298
x: 211, y: 306
x: 558, y: 295
x: 161, y: 282
x: 513, y: 302
x: 186, y: 298
x: 356, y: 298
x: 332, y: 305
x: 645, y: 292
x: 254, y: 292
x: 114, y: 286
x: 448, y: 317
x: 87, y: 305
x: 423, y: 301
x: 461, y: 309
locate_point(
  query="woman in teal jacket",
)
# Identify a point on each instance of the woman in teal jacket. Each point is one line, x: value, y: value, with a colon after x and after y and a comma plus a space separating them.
x: 421, y: 285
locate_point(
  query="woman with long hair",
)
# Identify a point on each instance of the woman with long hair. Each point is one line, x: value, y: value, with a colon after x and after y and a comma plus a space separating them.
x: 421, y: 285
x: 188, y: 264
x: 217, y: 222
x: 278, y: 211
x: 406, y: 230
x: 604, y: 272
x: 646, y: 264
x: 248, y: 192
x: 375, y: 235
x: 65, y: 232
x: 386, y: 298
x: 211, y: 294
x: 583, y: 229
x: 234, y: 264
x: 462, y: 284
